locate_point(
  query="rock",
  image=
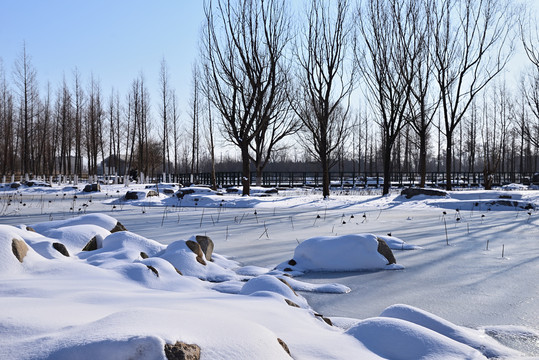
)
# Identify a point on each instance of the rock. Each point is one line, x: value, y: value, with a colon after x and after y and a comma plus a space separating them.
x: 285, y: 347
x: 19, y: 248
x: 195, y: 247
x: 325, y: 319
x: 118, y: 227
x: 61, y: 248
x: 92, y: 188
x: 385, y: 250
x: 154, y: 270
x: 292, y: 262
x: 411, y: 192
x: 143, y: 255
x: 178, y: 271
x: 291, y: 303
x: 287, y: 284
x: 91, y: 245
x: 28, y: 228
x: 182, y: 351
x: 206, y: 245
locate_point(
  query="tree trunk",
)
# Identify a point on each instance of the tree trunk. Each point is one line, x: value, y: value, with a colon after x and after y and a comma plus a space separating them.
x: 387, y: 168
x: 325, y: 177
x: 422, y: 158
x: 246, y: 171
x: 448, y: 161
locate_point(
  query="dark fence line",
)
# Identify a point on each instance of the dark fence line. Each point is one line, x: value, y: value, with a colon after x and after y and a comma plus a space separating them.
x: 351, y: 179
x: 310, y: 179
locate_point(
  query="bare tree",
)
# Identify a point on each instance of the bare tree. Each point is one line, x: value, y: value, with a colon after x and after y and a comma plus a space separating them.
x: 392, y: 47
x: 78, y: 121
x: 195, y: 105
x: 175, y: 131
x: 530, y: 80
x: 165, y: 114
x: 325, y: 81
x: 94, y: 125
x: 243, y: 44
x: 26, y: 82
x: 7, y: 150
x: 472, y: 43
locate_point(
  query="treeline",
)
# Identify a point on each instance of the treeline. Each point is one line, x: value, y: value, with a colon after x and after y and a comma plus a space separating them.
x: 278, y: 84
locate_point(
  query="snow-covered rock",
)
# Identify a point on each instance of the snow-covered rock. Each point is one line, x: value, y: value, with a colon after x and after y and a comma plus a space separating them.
x: 357, y: 252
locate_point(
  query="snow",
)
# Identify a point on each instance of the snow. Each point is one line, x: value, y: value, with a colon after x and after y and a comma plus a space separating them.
x: 449, y: 298
x: 354, y: 252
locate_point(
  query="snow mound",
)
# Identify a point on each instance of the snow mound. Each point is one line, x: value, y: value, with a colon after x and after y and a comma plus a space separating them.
x: 184, y: 259
x: 121, y: 246
x: 102, y: 220
x: 9, y: 264
x: 267, y: 283
x: 473, y: 338
x: 400, y: 339
x: 75, y: 237
x: 356, y: 252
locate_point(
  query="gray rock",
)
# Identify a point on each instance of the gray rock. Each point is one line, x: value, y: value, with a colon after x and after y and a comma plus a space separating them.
x: 118, y: 227
x: 182, y: 351
x: 91, y: 245
x: 19, y: 248
x: 195, y: 247
x: 61, y: 248
x: 285, y: 347
x: 411, y: 192
x: 154, y: 270
x: 206, y: 244
x: 385, y: 250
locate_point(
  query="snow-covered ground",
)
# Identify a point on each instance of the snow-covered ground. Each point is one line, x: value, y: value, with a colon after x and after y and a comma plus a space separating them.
x: 465, y: 285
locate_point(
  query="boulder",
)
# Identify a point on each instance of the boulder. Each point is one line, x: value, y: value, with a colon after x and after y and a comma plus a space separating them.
x: 118, y: 227
x: 287, y: 284
x: 182, y: 351
x: 285, y: 347
x: 91, y: 245
x: 92, y: 188
x: 385, y: 250
x: 19, y: 248
x: 61, y: 248
x: 143, y: 255
x: 411, y: 192
x: 206, y: 245
x: 195, y: 247
x: 154, y: 270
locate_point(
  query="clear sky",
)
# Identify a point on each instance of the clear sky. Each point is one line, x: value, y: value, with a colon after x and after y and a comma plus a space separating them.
x: 115, y: 40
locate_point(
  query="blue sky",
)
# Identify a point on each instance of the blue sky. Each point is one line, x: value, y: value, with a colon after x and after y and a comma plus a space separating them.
x: 115, y: 40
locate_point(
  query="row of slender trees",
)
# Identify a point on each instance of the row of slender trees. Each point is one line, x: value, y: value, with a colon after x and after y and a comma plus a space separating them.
x: 425, y: 78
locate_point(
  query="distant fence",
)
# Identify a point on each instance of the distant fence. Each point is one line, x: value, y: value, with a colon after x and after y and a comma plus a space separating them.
x: 351, y: 179
x: 301, y: 179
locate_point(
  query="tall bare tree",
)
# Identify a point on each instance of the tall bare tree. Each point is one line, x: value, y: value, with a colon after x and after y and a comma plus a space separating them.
x: 25, y: 78
x: 94, y: 125
x: 7, y: 160
x: 472, y: 44
x: 78, y: 103
x: 530, y: 80
x: 389, y: 53
x: 164, y: 109
x: 243, y: 44
x: 325, y: 80
x: 195, y: 104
